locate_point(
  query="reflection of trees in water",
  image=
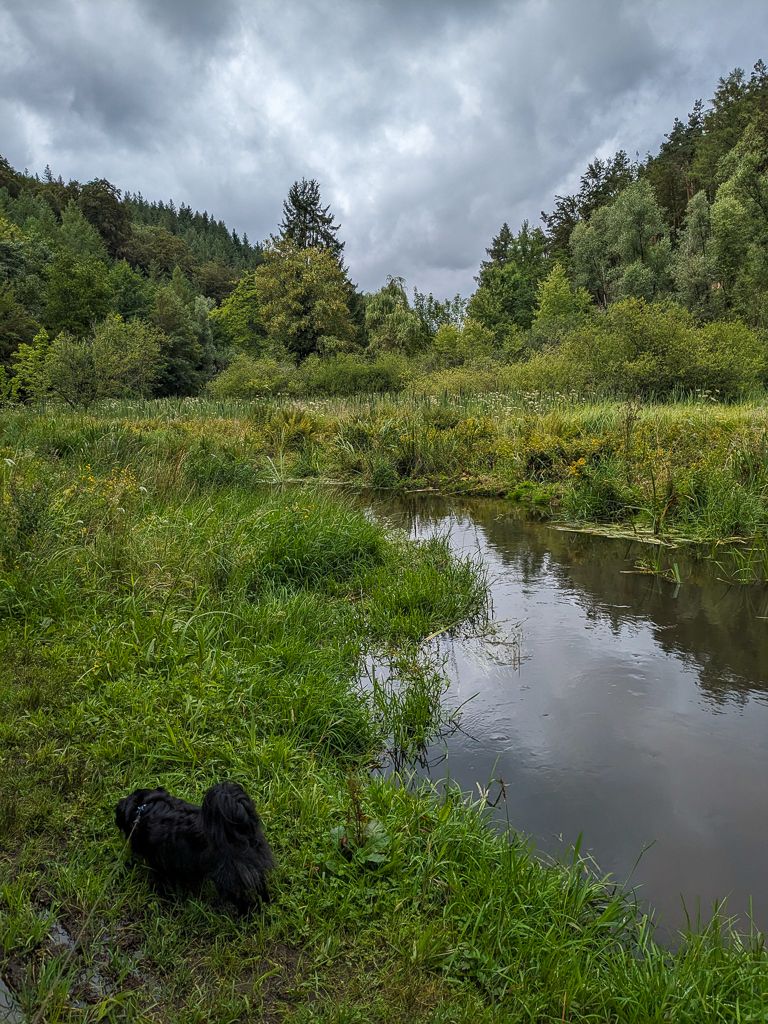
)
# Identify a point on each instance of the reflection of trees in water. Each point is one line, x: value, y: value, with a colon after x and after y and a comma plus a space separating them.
x: 709, y: 625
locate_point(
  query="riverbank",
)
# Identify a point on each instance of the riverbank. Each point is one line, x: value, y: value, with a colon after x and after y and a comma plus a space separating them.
x: 162, y: 620
x: 694, y: 471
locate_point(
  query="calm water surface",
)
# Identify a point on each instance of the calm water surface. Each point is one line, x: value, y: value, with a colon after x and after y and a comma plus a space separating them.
x: 638, y: 713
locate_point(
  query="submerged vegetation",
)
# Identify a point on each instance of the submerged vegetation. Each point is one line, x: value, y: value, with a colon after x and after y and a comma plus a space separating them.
x: 163, y: 621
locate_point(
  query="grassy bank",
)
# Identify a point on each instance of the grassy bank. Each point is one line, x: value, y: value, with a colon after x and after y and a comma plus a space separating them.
x: 695, y: 470
x: 162, y: 622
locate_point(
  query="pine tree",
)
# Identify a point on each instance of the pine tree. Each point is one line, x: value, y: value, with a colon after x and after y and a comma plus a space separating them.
x: 307, y: 224
x: 498, y: 250
x: 507, y: 282
x: 302, y: 300
x: 78, y: 235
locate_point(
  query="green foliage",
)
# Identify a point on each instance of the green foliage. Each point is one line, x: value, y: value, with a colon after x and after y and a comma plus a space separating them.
x: 157, y: 251
x: 128, y: 357
x: 651, y: 349
x: 623, y: 250
x: 30, y: 378
x: 600, y: 183
x: 131, y: 292
x: 189, y: 356
x: 559, y: 307
x: 23, y: 265
x: 343, y: 374
x: 302, y: 299
x: 506, y: 287
x: 16, y: 326
x: 435, y: 313
x: 70, y: 371
x: 455, y: 346
x: 182, y: 347
x: 740, y: 227
x: 390, y: 323
x: 31, y: 213
x: 10, y: 181
x: 315, y: 543
x: 78, y: 293
x: 695, y: 264
x: 636, y: 223
x: 672, y: 173
x: 738, y: 103
x: 100, y: 203
x: 247, y: 377
x: 306, y: 223
x: 240, y: 318
x: 78, y: 236
x: 215, y: 280
x: 206, y: 239
x: 119, y: 360
x: 351, y: 374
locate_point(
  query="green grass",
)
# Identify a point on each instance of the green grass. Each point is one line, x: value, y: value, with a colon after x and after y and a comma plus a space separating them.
x: 163, y: 621
x: 692, y: 471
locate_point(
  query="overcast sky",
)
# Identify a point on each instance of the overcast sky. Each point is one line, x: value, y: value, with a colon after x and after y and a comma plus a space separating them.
x: 427, y: 123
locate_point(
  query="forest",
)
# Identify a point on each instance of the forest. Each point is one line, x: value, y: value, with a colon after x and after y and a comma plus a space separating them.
x: 650, y: 281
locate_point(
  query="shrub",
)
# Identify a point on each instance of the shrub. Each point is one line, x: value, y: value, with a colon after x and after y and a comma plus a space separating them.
x: 247, y: 378
x: 119, y: 360
x: 637, y: 348
x: 348, y: 374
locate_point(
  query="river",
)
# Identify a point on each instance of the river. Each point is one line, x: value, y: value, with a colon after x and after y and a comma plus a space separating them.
x: 636, y: 716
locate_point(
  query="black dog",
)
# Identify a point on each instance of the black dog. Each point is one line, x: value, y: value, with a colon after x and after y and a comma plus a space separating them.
x: 184, y: 844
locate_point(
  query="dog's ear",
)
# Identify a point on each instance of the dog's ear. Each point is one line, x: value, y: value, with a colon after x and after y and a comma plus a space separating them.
x: 126, y: 809
x: 123, y: 813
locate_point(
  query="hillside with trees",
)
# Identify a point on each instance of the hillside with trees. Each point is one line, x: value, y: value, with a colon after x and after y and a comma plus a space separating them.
x: 652, y: 277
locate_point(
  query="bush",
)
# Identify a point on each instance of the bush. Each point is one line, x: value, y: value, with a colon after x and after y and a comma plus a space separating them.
x: 119, y: 360
x: 247, y: 378
x: 637, y: 348
x: 348, y: 374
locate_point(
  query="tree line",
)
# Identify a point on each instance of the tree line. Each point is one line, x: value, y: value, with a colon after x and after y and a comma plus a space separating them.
x: 104, y: 294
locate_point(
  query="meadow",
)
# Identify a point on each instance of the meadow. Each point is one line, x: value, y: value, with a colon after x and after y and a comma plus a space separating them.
x: 692, y: 471
x: 170, y: 614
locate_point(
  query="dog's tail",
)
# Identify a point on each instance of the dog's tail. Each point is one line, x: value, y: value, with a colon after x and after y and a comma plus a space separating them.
x: 242, y: 854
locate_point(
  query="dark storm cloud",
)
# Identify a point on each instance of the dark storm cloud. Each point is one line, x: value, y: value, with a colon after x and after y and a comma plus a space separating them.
x: 191, y: 22
x: 427, y: 124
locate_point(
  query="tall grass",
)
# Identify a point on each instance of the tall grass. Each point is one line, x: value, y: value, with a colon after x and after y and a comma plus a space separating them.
x: 162, y: 621
x: 692, y: 470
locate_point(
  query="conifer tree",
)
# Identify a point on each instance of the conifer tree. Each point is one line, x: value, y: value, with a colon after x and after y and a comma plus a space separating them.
x: 499, y: 249
x: 507, y: 282
x: 78, y: 235
x: 307, y: 224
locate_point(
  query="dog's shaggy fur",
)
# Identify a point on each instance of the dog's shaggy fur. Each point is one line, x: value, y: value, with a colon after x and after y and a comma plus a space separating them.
x: 184, y: 844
